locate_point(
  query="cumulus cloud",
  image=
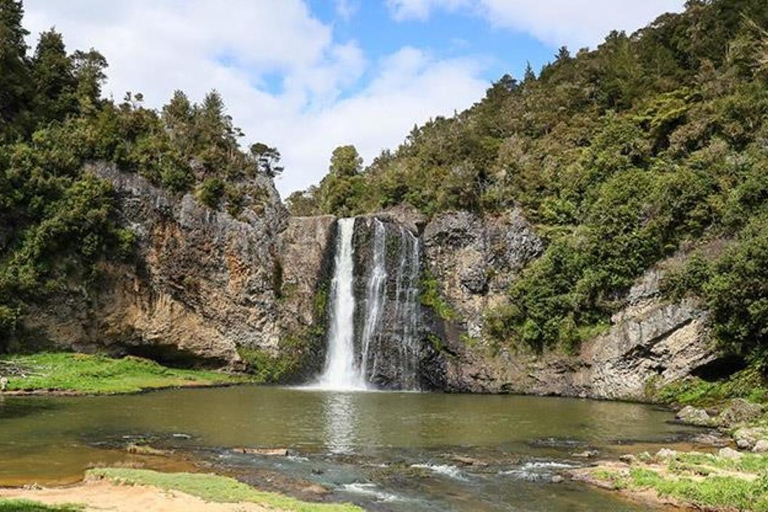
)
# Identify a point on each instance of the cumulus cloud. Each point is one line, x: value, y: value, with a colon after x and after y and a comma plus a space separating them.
x: 574, y: 23
x: 284, y: 77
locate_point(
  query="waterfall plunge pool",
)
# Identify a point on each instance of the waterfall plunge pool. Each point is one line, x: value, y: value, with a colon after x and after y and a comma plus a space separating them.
x: 384, y: 451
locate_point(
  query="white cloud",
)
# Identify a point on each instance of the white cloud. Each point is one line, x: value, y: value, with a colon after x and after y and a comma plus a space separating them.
x: 345, y: 9
x: 574, y: 23
x: 197, y: 45
x: 421, y: 9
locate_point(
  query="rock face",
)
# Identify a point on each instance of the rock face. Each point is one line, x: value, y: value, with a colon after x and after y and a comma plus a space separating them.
x: 204, y: 285
x: 475, y: 259
x: 650, y: 342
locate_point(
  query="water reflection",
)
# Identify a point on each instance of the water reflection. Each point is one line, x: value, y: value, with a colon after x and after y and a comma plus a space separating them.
x: 341, y: 420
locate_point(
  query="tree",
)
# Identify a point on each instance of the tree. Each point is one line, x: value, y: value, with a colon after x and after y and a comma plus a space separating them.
x: 267, y: 159
x: 345, y: 161
x: 15, y: 85
x: 54, y: 78
x: 89, y: 73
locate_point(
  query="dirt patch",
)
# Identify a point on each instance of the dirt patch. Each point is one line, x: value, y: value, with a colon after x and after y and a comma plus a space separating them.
x: 102, y: 495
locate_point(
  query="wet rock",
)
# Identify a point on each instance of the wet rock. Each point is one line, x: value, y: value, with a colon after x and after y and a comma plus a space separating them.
x: 761, y: 446
x: 693, y: 416
x: 557, y: 479
x: 315, y: 489
x: 269, y: 452
x: 587, y: 454
x: 469, y: 461
x: 739, y: 411
x: 729, y: 453
x: 710, y: 439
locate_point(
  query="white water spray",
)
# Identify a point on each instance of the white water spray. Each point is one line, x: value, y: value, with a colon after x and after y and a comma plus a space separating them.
x: 341, y: 373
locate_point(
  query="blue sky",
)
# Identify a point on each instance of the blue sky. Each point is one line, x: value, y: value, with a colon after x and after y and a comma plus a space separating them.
x: 309, y: 75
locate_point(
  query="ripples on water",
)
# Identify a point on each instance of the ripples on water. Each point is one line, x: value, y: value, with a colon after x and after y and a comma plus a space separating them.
x: 387, y: 451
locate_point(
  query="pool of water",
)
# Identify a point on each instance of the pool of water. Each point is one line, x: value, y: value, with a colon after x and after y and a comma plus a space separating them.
x: 385, y: 451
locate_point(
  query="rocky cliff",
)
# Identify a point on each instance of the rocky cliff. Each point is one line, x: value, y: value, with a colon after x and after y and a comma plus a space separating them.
x: 210, y: 288
x: 650, y: 342
x: 205, y: 287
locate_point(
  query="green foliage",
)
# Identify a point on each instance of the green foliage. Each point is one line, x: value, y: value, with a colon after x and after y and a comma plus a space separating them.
x: 94, y: 374
x: 214, y: 488
x: 59, y: 221
x: 431, y: 297
x: 620, y: 155
x: 749, y: 384
x: 211, y: 192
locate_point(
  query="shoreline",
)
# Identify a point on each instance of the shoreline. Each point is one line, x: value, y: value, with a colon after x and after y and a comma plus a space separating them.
x: 138, y: 490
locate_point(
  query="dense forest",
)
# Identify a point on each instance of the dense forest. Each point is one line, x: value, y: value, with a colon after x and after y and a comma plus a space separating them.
x: 653, y: 144
x: 57, y: 220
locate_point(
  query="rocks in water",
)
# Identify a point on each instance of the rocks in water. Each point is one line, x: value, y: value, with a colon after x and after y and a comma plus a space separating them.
x: 729, y: 453
x: 586, y: 454
x: 713, y: 438
x: 468, y: 461
x: 693, y: 416
x: 556, y: 479
x: 268, y: 452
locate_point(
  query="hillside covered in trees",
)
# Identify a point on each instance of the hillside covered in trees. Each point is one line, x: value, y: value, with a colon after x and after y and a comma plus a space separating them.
x: 622, y: 156
x: 56, y: 220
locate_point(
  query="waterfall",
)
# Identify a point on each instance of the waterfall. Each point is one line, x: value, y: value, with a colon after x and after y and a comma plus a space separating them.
x: 341, y: 371
x: 375, y: 295
x: 384, y: 349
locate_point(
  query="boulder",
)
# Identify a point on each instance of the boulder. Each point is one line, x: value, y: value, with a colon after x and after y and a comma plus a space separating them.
x: 761, y: 446
x: 729, y: 453
x: 693, y: 416
x: 747, y: 437
x: 666, y: 453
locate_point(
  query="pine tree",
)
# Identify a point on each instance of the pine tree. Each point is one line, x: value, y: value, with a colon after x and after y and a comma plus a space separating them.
x: 54, y: 79
x: 15, y: 85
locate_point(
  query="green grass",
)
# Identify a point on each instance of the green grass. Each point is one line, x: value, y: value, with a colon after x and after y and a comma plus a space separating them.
x: 701, y: 480
x: 713, y: 491
x: 95, y: 374
x: 33, y: 506
x: 215, y: 488
x: 748, y: 384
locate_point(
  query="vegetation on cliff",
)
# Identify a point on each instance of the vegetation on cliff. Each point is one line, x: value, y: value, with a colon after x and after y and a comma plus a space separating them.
x: 56, y: 220
x: 621, y: 155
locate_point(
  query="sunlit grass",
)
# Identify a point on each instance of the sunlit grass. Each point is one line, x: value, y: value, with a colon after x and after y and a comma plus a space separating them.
x: 96, y: 374
x: 215, y: 488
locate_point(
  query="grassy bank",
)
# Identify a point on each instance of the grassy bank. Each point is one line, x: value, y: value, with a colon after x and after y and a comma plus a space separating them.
x: 731, y: 481
x: 214, y: 488
x: 95, y: 374
x: 32, y: 506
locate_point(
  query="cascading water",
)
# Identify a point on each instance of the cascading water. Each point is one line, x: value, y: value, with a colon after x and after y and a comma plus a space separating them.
x: 384, y: 348
x: 375, y: 296
x: 341, y: 372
